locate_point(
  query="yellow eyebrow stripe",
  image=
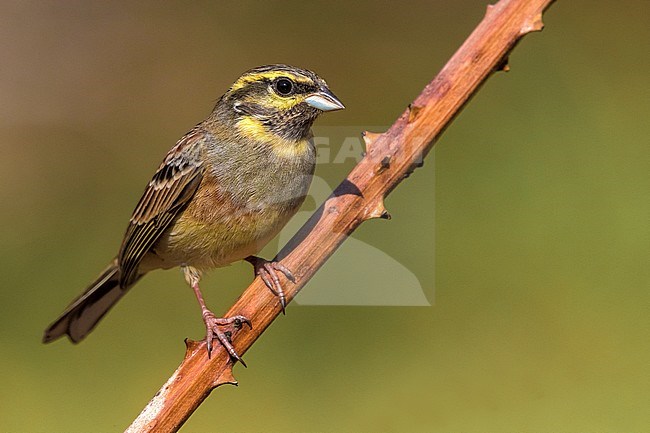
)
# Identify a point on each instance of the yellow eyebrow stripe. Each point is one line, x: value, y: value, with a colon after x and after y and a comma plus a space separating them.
x: 270, y: 75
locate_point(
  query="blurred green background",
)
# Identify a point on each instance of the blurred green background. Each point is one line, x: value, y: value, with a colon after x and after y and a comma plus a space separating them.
x: 527, y: 228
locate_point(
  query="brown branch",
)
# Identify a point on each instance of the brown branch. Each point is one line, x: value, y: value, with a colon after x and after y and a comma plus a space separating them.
x: 390, y: 157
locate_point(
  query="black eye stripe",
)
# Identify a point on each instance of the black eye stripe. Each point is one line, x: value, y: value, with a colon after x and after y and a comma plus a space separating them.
x: 299, y: 87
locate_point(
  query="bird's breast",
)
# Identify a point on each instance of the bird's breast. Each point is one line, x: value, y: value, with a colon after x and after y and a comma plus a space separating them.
x: 238, y: 208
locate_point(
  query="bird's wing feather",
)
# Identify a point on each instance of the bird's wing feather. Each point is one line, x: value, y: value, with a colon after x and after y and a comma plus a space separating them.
x: 170, y: 189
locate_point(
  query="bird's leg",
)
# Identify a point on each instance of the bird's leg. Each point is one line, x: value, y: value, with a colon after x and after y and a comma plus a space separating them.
x: 212, y: 322
x: 268, y: 271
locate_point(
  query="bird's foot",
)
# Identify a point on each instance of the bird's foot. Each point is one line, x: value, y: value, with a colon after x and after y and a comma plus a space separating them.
x: 213, y: 330
x: 268, y: 272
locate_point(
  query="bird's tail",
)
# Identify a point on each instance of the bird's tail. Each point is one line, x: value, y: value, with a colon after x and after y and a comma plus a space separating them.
x: 83, y: 314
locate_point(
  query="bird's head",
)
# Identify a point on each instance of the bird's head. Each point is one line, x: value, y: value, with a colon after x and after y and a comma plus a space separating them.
x: 277, y: 101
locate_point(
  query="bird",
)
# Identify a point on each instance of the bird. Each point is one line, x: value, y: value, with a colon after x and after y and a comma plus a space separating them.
x: 221, y: 193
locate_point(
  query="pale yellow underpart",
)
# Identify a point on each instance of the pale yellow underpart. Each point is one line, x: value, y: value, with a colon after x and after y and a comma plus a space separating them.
x: 206, y: 245
x: 252, y: 128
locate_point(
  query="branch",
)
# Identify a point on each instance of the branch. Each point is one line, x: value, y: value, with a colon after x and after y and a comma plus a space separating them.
x: 390, y: 157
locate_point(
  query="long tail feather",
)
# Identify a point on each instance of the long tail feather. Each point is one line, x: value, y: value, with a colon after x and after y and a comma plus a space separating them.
x: 83, y: 314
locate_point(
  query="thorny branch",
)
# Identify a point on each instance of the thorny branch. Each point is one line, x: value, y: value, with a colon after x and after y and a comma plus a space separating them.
x: 390, y: 157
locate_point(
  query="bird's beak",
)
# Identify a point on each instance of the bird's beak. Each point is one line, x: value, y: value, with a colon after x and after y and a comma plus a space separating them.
x: 324, y: 100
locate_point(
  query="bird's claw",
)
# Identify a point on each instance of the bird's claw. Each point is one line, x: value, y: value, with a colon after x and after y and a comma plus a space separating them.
x: 268, y: 272
x: 213, y: 325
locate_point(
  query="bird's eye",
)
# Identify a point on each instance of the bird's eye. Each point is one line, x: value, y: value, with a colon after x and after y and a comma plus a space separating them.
x: 284, y: 86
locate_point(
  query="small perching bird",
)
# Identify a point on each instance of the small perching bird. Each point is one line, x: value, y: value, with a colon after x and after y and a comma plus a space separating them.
x: 222, y: 192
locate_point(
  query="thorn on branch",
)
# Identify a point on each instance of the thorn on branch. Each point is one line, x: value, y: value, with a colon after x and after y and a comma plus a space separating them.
x: 503, y: 66
x: 191, y: 346
x: 414, y: 110
x: 369, y: 138
x: 534, y: 25
x: 226, y: 378
x: 489, y: 10
x: 379, y: 211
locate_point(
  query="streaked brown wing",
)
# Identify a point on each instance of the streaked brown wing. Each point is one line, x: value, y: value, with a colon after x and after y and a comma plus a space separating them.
x: 170, y: 189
